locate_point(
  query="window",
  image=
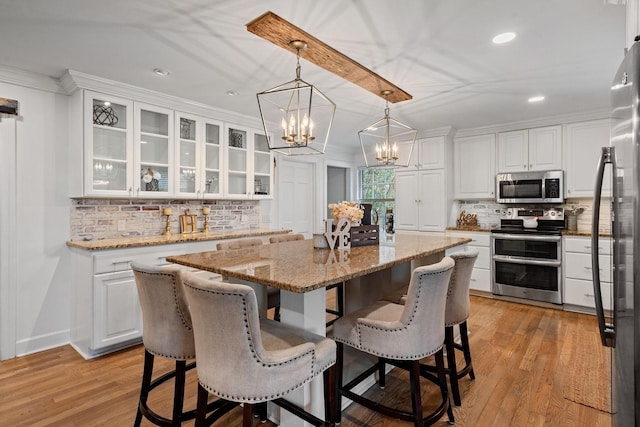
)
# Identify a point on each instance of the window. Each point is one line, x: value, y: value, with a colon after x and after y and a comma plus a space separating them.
x: 378, y: 187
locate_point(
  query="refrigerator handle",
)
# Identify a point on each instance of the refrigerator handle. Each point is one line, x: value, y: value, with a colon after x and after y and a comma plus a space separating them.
x: 607, y: 332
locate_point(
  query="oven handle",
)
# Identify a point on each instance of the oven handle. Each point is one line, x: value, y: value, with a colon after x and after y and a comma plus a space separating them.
x: 527, y: 261
x: 523, y: 237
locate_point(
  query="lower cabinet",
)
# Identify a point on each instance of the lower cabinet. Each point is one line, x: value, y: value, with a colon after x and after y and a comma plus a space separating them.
x: 578, y: 283
x: 106, y: 314
x: 481, y: 274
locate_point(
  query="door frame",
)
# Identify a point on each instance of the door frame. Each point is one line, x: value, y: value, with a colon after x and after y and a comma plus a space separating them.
x: 8, y: 243
x: 352, y: 179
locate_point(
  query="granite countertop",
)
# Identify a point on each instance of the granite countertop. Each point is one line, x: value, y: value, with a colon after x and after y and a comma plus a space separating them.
x: 585, y: 233
x: 131, y: 242
x: 298, y: 267
x: 470, y: 228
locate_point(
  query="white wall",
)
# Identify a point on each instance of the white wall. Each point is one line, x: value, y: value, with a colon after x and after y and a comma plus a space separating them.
x: 42, y: 271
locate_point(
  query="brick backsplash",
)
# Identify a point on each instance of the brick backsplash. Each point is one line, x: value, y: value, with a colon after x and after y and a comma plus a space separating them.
x: 488, y: 213
x: 95, y: 219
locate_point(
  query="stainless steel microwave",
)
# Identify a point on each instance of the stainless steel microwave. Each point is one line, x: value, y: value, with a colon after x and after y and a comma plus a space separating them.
x: 530, y: 187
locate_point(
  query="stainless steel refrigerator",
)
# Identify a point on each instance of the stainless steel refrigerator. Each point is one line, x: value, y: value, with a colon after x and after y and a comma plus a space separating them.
x: 621, y: 330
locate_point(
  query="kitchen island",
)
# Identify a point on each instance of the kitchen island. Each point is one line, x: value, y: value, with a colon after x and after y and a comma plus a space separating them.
x: 302, y: 273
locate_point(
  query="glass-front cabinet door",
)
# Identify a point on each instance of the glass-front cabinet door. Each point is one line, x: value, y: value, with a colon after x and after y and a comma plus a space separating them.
x: 153, y: 147
x: 109, y: 145
x: 262, y: 161
x: 212, y: 159
x: 198, y: 152
x: 237, y: 161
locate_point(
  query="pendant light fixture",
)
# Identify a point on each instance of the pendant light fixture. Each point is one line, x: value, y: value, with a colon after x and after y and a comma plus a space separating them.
x: 296, y: 116
x: 387, y: 142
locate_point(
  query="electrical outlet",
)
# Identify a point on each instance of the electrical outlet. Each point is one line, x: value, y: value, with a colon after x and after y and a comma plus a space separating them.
x: 122, y: 224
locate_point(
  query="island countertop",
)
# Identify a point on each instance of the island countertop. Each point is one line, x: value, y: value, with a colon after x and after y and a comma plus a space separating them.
x: 296, y: 266
x: 137, y: 241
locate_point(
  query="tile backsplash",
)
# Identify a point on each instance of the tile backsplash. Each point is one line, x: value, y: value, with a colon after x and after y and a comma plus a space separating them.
x: 95, y: 219
x: 488, y: 213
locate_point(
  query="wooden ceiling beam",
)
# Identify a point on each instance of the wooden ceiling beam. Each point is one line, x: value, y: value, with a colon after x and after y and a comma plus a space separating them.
x: 280, y: 32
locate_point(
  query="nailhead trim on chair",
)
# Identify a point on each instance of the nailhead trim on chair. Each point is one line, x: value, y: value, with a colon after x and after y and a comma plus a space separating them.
x: 257, y: 359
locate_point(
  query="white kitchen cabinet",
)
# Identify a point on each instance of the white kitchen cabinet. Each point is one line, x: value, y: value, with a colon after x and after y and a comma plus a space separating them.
x: 153, y: 151
x: 248, y: 164
x: 421, y: 200
x: 577, y: 271
x: 106, y: 314
x: 199, y: 157
x: 530, y: 149
x: 428, y: 153
x: 108, y: 146
x: 475, y: 167
x: 481, y: 274
x: 583, y: 143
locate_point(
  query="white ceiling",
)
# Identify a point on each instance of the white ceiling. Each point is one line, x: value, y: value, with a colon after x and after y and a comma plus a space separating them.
x: 440, y: 51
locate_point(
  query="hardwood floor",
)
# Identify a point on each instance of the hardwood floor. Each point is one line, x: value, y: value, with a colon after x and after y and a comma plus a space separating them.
x: 520, y: 357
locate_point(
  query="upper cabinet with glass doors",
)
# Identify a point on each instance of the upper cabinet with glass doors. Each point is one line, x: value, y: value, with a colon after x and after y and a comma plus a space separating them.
x: 108, y: 145
x: 153, y: 151
x: 199, y: 157
x: 248, y: 175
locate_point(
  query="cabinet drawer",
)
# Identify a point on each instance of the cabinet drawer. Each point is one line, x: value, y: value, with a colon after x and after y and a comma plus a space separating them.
x: 480, y: 280
x: 578, y: 266
x: 580, y: 292
x: 584, y: 245
x: 120, y: 259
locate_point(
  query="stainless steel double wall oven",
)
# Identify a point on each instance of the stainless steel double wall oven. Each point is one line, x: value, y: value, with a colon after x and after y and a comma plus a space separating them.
x: 527, y: 261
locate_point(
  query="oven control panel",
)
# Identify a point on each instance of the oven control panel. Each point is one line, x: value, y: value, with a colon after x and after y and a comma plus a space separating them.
x: 541, y: 213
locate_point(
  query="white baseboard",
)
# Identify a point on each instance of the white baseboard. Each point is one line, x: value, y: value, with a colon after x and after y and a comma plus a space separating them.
x: 42, y: 342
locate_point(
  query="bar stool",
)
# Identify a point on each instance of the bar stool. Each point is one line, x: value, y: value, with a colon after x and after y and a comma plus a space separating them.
x: 167, y: 332
x: 456, y: 313
x: 339, y: 311
x: 400, y: 335
x: 246, y: 359
x: 273, y: 294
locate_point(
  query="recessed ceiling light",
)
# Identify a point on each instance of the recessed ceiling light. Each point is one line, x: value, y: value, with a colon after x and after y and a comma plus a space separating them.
x: 504, y: 38
x: 232, y: 93
x: 161, y: 72
x: 536, y: 98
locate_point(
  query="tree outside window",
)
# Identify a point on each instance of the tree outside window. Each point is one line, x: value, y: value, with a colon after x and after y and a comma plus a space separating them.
x: 377, y: 186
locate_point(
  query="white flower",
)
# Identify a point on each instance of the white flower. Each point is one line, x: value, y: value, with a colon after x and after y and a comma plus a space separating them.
x: 346, y: 210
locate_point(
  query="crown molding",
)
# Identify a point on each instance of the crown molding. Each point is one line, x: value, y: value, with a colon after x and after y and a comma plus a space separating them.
x: 539, y: 122
x: 446, y: 131
x: 74, y: 80
x: 29, y: 79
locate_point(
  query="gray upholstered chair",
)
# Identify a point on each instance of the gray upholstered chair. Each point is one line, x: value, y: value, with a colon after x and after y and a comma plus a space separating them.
x: 244, y: 358
x: 273, y: 294
x: 285, y: 238
x: 167, y: 332
x: 456, y: 313
x: 400, y: 335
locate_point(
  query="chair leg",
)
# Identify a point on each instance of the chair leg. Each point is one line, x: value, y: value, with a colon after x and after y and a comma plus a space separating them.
x: 147, y: 372
x: 337, y: 417
x: 260, y: 411
x: 201, y: 408
x: 340, y: 299
x: 247, y: 415
x: 451, y: 365
x: 464, y: 337
x: 382, y: 380
x: 178, y: 392
x: 330, y: 396
x: 442, y: 380
x: 416, y: 394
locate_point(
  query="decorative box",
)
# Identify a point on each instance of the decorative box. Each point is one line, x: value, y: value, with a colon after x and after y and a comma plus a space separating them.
x: 363, y: 235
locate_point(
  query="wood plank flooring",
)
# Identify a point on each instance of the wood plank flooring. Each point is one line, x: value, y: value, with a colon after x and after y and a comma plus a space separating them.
x: 520, y: 356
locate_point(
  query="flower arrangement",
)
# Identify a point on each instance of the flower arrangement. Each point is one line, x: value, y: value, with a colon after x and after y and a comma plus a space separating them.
x: 350, y: 211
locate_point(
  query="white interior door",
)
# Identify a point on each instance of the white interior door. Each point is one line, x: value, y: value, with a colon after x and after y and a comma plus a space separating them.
x: 296, y: 196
